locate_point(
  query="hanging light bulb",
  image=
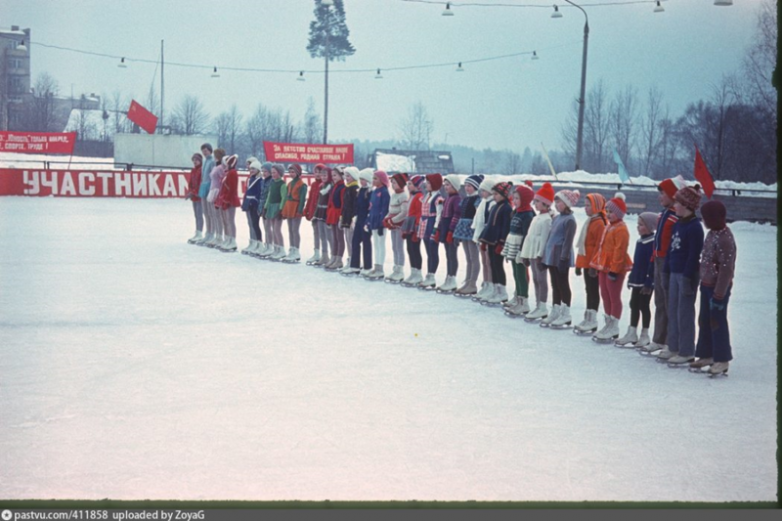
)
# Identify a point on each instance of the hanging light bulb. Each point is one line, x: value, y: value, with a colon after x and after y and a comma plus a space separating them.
x: 659, y: 8
x: 215, y: 74
x: 301, y: 76
x: 121, y: 64
x: 723, y: 2
x: 447, y: 11
x: 21, y: 47
x: 556, y: 13
x: 459, y: 68
x: 534, y: 55
x: 378, y: 76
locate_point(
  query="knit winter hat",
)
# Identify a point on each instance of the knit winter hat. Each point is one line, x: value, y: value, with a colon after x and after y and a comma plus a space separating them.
x: 672, y: 185
x: 401, y: 180
x: 597, y: 202
x: 454, y: 181
x: 352, y: 171
x: 267, y: 166
x: 714, y: 215
x: 436, y: 180
x: 251, y: 159
x: 255, y: 164
x: 197, y: 156
x: 569, y: 197
x: 279, y: 168
x: 503, y: 189
x: 545, y: 194
x: 320, y: 165
x: 230, y: 161
x: 382, y: 177
x: 366, y: 174
x: 475, y: 181
x: 295, y: 167
x: 689, y: 197
x: 418, y: 180
x: 650, y: 220
x: 487, y: 184
x: 617, y: 205
x: 526, y: 195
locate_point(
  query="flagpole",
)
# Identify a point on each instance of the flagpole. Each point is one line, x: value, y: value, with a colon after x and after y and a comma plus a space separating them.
x: 161, y: 85
x: 551, y: 167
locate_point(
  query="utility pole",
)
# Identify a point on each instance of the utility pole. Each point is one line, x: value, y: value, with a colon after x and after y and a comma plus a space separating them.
x: 326, y: 85
x: 161, y: 86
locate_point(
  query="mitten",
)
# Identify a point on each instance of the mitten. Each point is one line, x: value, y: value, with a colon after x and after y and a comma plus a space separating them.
x: 526, y: 262
x: 717, y: 304
x: 578, y: 272
x: 449, y: 238
x: 612, y: 276
x: 380, y: 232
x: 498, y: 248
x: 415, y: 237
x: 483, y: 246
x: 436, y: 237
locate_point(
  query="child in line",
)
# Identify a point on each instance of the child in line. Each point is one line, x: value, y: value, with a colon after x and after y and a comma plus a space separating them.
x: 519, y: 227
x: 464, y: 234
x: 378, y: 209
x: 321, y: 212
x: 431, y: 209
x: 362, y: 236
x: 349, y: 212
x: 485, y: 206
x: 293, y: 210
x: 612, y: 263
x: 274, y: 201
x: 203, y: 192
x: 227, y: 201
x: 718, y: 264
x: 251, y: 204
x: 559, y: 257
x: 641, y: 283
x: 662, y: 239
x: 446, y: 227
x: 493, y: 240
x: 410, y: 229
x: 266, y: 248
x: 397, y: 213
x: 588, y: 242
x: 193, y: 184
x: 333, y: 212
x: 215, y: 183
x: 309, y: 212
x: 683, y: 264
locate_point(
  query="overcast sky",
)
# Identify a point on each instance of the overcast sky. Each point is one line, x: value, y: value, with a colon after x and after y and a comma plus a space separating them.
x: 508, y: 103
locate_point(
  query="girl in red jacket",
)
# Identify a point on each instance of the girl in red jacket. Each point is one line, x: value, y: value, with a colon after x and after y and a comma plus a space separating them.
x: 194, y: 183
x: 313, y: 192
x: 409, y: 229
x: 227, y: 201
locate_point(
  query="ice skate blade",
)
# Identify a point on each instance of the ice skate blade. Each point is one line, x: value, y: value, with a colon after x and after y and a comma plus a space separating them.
x: 290, y: 261
x: 407, y: 285
x: 644, y: 352
x: 491, y: 304
x: 624, y: 346
x: 564, y: 326
x: 533, y: 320
x: 426, y: 288
x: 513, y: 315
x: 373, y: 279
x: 699, y: 370
x: 678, y: 366
x: 464, y: 295
x: 444, y: 291
x: 584, y: 332
x: 390, y: 281
x: 348, y: 274
x: 603, y: 340
x: 723, y: 374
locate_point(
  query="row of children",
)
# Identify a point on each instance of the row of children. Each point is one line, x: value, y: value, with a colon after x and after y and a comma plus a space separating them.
x: 353, y: 210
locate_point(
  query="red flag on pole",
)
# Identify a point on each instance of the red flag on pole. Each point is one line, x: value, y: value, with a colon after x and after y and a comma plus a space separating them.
x: 702, y: 174
x: 142, y: 117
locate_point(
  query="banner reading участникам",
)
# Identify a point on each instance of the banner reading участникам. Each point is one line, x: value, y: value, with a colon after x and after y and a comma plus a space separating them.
x: 38, y: 142
x: 305, y: 153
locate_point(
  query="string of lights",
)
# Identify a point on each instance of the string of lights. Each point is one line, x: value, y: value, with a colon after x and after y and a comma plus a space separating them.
x: 544, y: 6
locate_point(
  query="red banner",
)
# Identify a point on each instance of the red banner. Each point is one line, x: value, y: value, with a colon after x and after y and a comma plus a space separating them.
x: 38, y: 142
x: 303, y: 153
x: 142, y: 117
x: 79, y: 183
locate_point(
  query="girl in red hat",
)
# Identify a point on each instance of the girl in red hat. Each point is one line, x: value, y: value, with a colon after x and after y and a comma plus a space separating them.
x: 333, y: 212
x: 227, y: 201
x: 588, y: 241
x: 431, y: 208
x: 493, y: 241
x: 534, y: 246
x: 309, y: 212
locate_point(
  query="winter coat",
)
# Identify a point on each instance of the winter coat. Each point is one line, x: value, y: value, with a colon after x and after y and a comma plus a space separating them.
x: 206, y: 181
x: 641, y: 275
x: 413, y: 218
x: 334, y: 206
x: 452, y: 212
x: 482, y: 216
x: 559, y: 246
x: 216, y: 177
x: 397, y: 209
x: 265, y: 183
x: 277, y: 193
x: 519, y: 227
x: 498, y: 224
x: 348, y: 205
x: 611, y: 255
x: 431, y: 209
x: 596, y: 225
x: 295, y: 197
x: 684, y: 253
x: 378, y: 207
x: 323, y: 202
x: 535, y: 243
x: 229, y: 191
x: 662, y: 238
x: 194, y: 183
x: 718, y: 261
x: 312, y: 200
x: 362, y: 207
x: 252, y: 193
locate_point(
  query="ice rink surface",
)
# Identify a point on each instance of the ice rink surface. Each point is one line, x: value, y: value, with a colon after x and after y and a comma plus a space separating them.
x: 134, y: 365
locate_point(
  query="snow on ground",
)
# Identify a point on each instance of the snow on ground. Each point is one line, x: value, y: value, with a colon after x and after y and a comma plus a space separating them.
x: 59, y: 162
x: 134, y: 365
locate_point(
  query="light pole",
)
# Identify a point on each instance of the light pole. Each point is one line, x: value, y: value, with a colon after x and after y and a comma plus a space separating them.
x: 327, y: 5
x: 581, y: 100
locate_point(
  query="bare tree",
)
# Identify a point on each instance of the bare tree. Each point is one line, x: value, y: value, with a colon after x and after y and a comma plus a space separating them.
x: 221, y: 126
x: 761, y: 59
x: 312, y: 126
x: 257, y: 130
x: 512, y: 163
x: 623, y: 119
x: 651, y: 129
x: 189, y: 116
x: 416, y: 128
x: 119, y: 106
x: 596, y: 129
x: 42, y: 107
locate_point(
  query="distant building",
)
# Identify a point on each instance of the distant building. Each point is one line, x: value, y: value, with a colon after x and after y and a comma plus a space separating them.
x: 412, y: 161
x: 15, y: 84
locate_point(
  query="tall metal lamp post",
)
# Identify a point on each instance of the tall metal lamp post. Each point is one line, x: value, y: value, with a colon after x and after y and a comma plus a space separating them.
x: 327, y: 4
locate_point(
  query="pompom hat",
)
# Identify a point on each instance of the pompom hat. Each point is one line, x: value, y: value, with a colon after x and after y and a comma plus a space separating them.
x: 545, y: 194
x: 569, y: 197
x: 617, y: 205
x: 436, y: 180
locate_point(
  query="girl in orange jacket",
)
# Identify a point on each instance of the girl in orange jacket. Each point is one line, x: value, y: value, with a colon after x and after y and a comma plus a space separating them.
x: 587, y: 244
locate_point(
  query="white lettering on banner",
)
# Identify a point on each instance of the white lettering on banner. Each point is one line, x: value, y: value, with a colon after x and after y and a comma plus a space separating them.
x: 182, y: 185
x: 105, y: 176
x: 83, y: 188
x: 168, y: 186
x: 139, y: 185
x: 31, y: 179
x: 51, y: 183
x: 122, y: 184
x: 154, y: 189
x: 68, y: 188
